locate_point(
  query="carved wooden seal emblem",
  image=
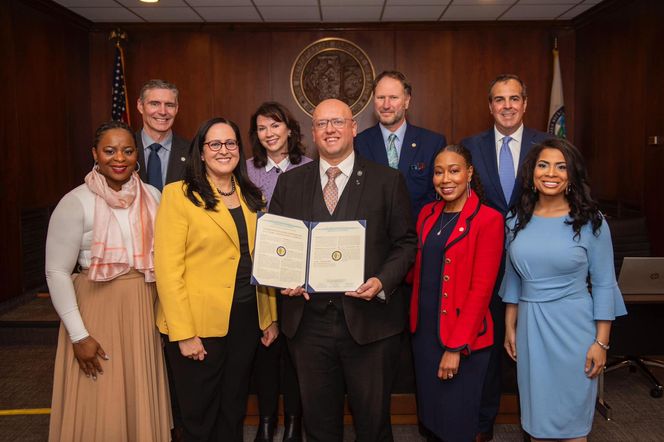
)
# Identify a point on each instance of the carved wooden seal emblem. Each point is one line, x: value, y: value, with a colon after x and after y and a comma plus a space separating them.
x: 332, y: 68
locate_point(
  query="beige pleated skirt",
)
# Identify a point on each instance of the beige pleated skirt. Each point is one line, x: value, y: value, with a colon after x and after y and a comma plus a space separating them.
x: 130, y: 401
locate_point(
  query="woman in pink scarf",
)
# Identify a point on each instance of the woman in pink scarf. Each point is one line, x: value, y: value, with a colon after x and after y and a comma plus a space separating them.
x: 109, y: 380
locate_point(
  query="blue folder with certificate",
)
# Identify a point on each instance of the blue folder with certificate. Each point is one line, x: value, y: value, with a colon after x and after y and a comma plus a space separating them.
x: 319, y: 256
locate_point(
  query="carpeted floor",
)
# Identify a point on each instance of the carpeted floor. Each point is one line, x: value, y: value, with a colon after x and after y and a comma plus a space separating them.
x: 25, y: 383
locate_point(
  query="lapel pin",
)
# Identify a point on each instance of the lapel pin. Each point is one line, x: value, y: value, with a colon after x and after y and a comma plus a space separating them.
x: 359, y: 173
x: 414, y: 145
x: 183, y: 159
x: 461, y: 229
x: 357, y: 182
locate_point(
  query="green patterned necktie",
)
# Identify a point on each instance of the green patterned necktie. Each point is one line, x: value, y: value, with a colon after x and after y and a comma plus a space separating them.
x: 392, y: 155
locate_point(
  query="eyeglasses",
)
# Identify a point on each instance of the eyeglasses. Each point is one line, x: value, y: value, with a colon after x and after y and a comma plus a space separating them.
x: 337, y: 123
x: 216, y: 145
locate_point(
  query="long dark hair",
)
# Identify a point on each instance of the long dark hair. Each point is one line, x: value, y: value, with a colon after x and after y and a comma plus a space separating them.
x: 196, y: 180
x: 278, y: 112
x: 475, y: 182
x: 582, y: 208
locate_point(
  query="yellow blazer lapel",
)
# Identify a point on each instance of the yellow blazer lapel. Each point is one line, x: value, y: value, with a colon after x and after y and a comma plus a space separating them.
x: 222, y: 217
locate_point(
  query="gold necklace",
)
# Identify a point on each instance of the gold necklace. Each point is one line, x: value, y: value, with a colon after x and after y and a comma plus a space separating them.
x: 442, y: 227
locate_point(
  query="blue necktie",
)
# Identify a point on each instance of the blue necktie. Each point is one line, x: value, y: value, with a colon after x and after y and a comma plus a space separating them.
x: 506, y: 169
x: 392, y: 155
x: 154, y: 167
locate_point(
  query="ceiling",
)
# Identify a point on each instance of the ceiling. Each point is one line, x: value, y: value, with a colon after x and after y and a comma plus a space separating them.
x: 324, y: 11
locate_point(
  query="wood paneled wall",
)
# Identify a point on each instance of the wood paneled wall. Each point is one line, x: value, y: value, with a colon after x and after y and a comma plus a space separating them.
x: 619, y: 96
x: 229, y: 70
x: 45, y: 117
x: 56, y: 80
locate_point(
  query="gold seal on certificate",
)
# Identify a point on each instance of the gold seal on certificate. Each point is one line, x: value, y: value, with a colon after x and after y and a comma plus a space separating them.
x: 319, y: 256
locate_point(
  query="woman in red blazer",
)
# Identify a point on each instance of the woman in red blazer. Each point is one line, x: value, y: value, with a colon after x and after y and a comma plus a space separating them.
x: 459, y: 252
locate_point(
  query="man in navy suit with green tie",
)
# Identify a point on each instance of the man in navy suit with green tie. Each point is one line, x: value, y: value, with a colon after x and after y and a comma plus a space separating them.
x: 497, y: 154
x: 396, y: 143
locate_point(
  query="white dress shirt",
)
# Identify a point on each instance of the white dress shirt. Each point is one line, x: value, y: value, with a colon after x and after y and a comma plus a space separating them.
x: 282, y: 165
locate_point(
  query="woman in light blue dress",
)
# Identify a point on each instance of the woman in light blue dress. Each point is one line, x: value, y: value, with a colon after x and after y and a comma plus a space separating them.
x: 561, y: 293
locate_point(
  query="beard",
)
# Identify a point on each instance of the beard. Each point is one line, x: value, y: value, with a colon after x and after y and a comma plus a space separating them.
x: 392, y: 119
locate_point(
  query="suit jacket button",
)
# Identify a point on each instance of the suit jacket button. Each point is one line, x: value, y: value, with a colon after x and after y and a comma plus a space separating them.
x: 446, y: 278
x: 448, y: 260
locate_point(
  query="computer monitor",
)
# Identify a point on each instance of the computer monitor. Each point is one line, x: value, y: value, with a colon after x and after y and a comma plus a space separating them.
x: 642, y: 275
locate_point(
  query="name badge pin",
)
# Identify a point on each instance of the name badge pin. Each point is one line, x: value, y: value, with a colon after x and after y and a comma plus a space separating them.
x: 414, y: 145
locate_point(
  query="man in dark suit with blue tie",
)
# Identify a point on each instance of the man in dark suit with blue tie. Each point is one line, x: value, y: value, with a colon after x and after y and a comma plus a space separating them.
x: 497, y: 155
x: 161, y: 153
x: 162, y: 158
x: 394, y: 142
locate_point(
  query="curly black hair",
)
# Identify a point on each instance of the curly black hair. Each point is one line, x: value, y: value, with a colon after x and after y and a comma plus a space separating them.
x: 583, y: 209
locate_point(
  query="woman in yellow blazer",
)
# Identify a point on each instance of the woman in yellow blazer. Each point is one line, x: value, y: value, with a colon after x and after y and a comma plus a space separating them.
x: 213, y: 317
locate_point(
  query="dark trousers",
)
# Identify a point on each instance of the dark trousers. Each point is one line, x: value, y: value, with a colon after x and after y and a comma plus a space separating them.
x: 327, y: 359
x: 492, y: 389
x: 175, y: 408
x: 212, y: 393
x: 273, y: 367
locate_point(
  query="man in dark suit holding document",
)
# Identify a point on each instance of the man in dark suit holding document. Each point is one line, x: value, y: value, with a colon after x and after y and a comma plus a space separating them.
x: 348, y: 339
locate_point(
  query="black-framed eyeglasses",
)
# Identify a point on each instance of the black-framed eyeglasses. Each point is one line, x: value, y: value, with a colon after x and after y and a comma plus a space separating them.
x: 216, y: 145
x: 337, y: 123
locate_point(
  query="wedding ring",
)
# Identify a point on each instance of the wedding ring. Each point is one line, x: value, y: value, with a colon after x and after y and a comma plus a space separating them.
x: 450, y: 375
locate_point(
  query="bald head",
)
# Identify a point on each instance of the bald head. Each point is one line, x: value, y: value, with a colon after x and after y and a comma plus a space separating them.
x: 333, y: 130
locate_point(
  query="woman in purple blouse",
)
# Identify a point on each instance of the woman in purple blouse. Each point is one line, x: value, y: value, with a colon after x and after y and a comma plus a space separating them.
x: 277, y: 146
x: 276, y: 142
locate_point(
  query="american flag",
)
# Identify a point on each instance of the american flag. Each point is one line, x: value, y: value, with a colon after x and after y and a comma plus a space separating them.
x: 120, y: 110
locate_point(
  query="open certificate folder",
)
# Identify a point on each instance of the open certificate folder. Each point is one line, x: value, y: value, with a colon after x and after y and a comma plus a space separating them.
x: 319, y: 256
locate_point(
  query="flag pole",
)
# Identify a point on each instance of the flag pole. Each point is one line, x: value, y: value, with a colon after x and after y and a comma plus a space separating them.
x: 120, y: 111
x: 557, y: 125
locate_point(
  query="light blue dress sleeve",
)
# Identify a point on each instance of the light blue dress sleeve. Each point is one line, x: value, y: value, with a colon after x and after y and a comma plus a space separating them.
x: 510, y: 287
x: 607, y: 299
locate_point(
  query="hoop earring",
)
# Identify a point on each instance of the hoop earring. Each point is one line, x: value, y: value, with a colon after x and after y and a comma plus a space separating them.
x: 138, y: 167
x: 96, y: 166
x: 438, y: 197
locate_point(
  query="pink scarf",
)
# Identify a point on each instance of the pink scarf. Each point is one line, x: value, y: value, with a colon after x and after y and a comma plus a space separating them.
x: 108, y: 252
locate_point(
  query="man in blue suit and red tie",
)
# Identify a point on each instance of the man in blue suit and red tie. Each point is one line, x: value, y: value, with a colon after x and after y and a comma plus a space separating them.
x: 394, y: 142
x: 497, y: 155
